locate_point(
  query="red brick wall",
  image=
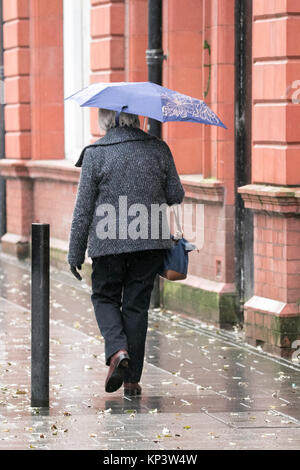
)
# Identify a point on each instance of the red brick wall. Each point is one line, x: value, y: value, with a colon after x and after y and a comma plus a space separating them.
x: 276, y: 120
x: 33, y: 79
x: 183, y: 44
x: 17, y: 78
x: 276, y: 141
x: 107, y: 47
x: 223, y: 47
x: 277, y: 258
x: 19, y: 206
x: 53, y: 204
x: 136, y: 40
x: 215, y: 259
x: 275, y: 168
x: 117, y: 53
x: 46, y: 75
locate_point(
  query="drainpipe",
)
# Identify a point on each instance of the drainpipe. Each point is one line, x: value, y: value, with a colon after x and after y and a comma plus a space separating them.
x: 2, y: 131
x: 243, y: 100
x: 154, y: 58
x: 154, y: 53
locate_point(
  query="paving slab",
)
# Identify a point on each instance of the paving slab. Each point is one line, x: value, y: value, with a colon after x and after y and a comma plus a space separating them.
x: 203, y: 388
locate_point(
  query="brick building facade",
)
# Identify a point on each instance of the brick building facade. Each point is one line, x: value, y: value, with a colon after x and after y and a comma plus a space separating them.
x: 52, y: 49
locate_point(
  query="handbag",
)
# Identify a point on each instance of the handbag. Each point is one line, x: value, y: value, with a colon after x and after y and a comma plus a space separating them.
x: 176, y: 259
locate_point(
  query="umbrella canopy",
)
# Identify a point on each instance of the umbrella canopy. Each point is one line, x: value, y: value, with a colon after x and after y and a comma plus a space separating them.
x: 147, y: 99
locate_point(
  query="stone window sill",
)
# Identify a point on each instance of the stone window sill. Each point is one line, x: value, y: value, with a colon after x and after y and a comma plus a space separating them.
x: 267, y: 198
x: 58, y: 170
x: 207, y: 190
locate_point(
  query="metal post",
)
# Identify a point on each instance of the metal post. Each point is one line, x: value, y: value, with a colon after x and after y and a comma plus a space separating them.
x: 40, y: 315
x: 155, y: 57
x: 154, y: 53
x: 244, y: 271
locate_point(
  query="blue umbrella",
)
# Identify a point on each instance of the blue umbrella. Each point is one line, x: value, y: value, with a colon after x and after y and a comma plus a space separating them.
x: 147, y: 99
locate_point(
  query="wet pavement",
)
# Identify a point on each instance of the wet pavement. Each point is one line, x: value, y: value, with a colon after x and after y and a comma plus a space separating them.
x: 203, y: 388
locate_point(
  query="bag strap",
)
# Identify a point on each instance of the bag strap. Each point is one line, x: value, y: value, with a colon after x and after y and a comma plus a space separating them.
x: 179, y: 233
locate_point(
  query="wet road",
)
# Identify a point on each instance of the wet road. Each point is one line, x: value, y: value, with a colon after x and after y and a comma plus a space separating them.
x: 202, y: 388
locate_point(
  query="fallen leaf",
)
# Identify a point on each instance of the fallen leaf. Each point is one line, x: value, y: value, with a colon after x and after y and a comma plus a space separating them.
x: 185, y: 402
x: 166, y: 432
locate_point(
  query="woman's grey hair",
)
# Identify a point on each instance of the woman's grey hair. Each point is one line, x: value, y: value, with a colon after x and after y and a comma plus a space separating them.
x: 107, y: 119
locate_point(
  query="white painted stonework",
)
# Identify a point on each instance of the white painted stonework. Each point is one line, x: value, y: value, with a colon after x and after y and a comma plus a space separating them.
x: 76, y: 74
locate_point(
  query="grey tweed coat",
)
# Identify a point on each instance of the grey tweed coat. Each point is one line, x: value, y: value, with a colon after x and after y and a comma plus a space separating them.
x: 125, y: 165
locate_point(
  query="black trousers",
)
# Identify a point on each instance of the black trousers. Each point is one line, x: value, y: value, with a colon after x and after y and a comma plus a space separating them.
x: 121, y: 291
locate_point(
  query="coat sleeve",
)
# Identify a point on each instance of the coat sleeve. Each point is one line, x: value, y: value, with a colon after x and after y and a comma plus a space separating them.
x: 83, y: 212
x: 173, y: 189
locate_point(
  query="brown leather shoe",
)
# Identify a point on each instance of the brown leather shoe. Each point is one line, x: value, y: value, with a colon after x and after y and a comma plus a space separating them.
x: 132, y: 389
x: 117, y: 365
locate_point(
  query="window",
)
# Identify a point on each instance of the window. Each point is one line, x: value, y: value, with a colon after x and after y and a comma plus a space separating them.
x: 76, y: 74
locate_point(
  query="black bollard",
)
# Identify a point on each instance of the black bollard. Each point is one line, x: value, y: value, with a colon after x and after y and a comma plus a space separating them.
x: 40, y: 315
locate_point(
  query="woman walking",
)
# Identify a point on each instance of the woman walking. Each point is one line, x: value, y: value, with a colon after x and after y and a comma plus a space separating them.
x: 128, y: 178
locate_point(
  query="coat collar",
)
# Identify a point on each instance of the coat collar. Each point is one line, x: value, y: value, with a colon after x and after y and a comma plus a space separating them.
x: 117, y: 135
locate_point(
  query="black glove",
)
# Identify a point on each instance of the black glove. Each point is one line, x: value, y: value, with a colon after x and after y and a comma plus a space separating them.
x: 74, y: 271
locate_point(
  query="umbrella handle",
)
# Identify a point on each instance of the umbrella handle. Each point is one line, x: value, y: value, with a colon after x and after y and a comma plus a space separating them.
x: 144, y: 123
